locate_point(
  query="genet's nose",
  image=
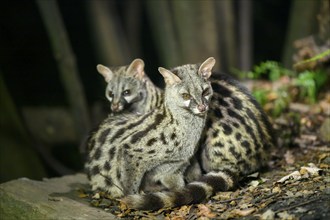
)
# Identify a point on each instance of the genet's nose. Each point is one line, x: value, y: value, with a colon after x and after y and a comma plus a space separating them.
x: 114, y: 106
x: 201, y: 107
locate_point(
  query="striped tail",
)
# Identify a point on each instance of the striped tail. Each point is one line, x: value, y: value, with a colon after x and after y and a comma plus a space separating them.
x: 194, y: 192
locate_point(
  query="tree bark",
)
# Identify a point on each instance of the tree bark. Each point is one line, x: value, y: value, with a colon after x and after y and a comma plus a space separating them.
x: 226, y: 29
x: 245, y: 34
x: 302, y: 24
x: 109, y: 37
x: 196, y: 28
x: 160, y: 17
x: 66, y: 63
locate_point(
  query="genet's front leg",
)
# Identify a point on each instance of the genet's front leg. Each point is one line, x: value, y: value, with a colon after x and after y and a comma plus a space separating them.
x: 170, y: 175
x: 132, y: 180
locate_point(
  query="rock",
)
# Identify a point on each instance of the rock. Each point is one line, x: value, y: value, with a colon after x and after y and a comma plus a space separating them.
x: 55, y: 198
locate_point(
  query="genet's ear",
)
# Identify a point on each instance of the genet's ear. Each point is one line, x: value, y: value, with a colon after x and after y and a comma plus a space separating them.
x: 105, y: 72
x: 169, y: 77
x: 205, y: 70
x: 136, y: 69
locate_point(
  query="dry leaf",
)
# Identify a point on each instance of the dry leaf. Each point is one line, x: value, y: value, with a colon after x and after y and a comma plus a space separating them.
x: 223, y: 196
x: 233, y: 203
x: 96, y: 196
x: 289, y: 193
x: 323, y: 156
x: 254, y: 175
x: 254, y: 183
x: 178, y: 218
x: 268, y: 215
x: 301, y: 210
x: 289, y: 158
x: 276, y: 189
x: 311, y: 170
x: 244, y: 212
x: 292, y: 176
x: 205, y: 211
x: 286, y: 215
x: 123, y: 206
x: 82, y: 195
x: 324, y: 166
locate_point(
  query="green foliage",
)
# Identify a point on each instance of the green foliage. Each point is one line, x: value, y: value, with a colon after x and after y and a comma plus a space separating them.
x: 269, y: 69
x: 282, y: 102
x: 261, y: 95
x: 308, y: 84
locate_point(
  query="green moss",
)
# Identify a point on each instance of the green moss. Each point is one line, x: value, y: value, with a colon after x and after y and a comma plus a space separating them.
x: 11, y: 208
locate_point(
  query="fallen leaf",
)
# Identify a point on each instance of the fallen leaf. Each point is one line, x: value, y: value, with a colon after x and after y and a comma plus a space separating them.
x: 245, y: 205
x: 223, y: 196
x: 289, y: 193
x: 254, y: 183
x: 289, y: 158
x: 292, y: 176
x: 122, y: 206
x: 177, y: 218
x: 301, y: 210
x: 204, y: 211
x: 268, y: 215
x: 82, y: 195
x: 254, y: 175
x: 95, y: 202
x: 286, y: 215
x: 276, y: 189
x: 309, y: 137
x: 323, y: 156
x: 96, y: 196
x: 311, y: 171
x: 233, y: 203
x: 244, y: 212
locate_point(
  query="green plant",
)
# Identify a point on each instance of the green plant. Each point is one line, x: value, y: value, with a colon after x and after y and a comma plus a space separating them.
x: 318, y: 57
x: 282, y: 102
x: 310, y: 83
x: 269, y: 69
x: 261, y: 95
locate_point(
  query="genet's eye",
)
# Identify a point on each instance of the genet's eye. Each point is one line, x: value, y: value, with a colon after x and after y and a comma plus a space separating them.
x: 186, y: 96
x: 206, y: 92
x: 126, y: 92
x: 110, y: 94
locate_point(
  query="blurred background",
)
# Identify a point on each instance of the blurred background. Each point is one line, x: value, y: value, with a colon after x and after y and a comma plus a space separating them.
x: 52, y: 95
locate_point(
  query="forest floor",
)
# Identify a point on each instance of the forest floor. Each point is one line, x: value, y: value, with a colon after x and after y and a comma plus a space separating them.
x: 295, y: 186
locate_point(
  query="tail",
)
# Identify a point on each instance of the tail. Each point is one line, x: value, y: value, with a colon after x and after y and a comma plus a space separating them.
x: 194, y: 192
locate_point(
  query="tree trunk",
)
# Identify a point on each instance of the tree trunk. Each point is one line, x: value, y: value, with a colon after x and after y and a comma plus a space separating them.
x: 302, y: 24
x: 160, y: 17
x: 245, y: 34
x: 66, y: 63
x: 226, y: 28
x: 109, y: 37
x: 197, y: 31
